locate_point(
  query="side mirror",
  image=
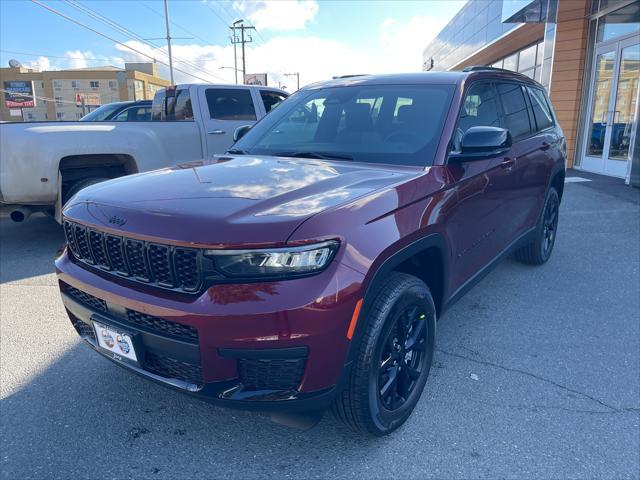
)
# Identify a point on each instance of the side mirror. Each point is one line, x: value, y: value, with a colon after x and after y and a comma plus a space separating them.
x: 240, y: 132
x: 479, y: 143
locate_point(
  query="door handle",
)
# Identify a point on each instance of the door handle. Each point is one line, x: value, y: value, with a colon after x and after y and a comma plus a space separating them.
x: 216, y: 132
x: 508, y: 163
x: 545, y: 146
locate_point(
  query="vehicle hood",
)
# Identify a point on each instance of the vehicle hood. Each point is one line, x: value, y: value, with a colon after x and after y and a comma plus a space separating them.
x: 228, y: 201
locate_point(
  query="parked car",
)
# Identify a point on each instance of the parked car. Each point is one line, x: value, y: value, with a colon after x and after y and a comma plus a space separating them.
x: 46, y: 163
x: 138, y: 111
x: 307, y: 267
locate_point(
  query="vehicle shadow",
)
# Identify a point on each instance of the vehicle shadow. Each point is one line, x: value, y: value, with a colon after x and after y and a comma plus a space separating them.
x: 84, y: 416
x: 28, y: 249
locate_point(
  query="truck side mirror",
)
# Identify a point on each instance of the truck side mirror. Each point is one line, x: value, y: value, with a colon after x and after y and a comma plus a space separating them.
x: 240, y: 132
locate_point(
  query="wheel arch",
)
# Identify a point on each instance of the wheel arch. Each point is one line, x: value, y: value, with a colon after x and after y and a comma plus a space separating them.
x: 414, y: 258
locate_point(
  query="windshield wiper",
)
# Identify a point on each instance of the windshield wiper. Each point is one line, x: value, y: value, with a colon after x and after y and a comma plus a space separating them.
x: 237, y: 151
x: 318, y: 155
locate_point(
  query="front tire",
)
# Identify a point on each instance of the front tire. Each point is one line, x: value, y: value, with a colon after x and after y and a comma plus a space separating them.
x: 393, y: 360
x: 538, y: 251
x: 79, y: 185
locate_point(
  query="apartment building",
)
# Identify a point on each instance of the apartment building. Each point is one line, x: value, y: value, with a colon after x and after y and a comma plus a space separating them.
x: 69, y: 94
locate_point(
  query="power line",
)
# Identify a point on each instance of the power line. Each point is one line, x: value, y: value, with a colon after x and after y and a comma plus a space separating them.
x: 122, y: 29
x: 176, y: 24
x: 44, y: 99
x: 56, y: 12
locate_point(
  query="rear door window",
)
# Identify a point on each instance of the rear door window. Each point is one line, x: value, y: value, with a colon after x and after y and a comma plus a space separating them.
x: 230, y: 104
x: 514, y: 107
x: 541, y: 109
x: 271, y: 99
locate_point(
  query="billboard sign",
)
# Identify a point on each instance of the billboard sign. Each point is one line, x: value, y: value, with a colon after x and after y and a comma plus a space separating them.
x: 88, y: 99
x: 19, y: 94
x: 255, y: 79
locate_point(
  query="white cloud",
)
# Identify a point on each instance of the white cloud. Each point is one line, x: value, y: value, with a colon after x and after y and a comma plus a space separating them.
x: 39, y: 64
x: 78, y: 59
x: 398, y: 48
x: 402, y: 44
x: 278, y: 15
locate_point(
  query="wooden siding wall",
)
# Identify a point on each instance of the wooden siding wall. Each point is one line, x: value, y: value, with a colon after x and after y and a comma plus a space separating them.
x: 569, y: 59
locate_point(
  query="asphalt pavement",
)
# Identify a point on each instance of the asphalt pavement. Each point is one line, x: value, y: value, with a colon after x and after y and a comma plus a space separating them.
x: 537, y: 375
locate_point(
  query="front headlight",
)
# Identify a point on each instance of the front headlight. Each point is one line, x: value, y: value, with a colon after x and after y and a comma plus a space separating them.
x: 274, y: 262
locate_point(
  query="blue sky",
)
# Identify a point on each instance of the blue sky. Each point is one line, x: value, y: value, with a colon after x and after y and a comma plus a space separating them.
x: 317, y: 38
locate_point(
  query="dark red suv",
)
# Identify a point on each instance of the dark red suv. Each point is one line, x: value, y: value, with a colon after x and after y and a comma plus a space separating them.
x: 306, y: 267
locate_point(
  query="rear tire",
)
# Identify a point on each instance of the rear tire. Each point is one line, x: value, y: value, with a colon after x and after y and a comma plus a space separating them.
x: 79, y: 185
x: 393, y: 359
x: 538, y: 251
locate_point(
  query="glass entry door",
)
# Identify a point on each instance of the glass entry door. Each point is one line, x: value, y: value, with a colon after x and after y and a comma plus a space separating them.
x: 612, y: 108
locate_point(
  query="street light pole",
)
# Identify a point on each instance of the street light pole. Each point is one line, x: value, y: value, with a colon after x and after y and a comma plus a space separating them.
x: 166, y: 19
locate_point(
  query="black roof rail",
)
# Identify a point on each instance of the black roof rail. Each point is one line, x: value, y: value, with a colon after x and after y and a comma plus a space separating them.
x: 350, y: 76
x: 479, y: 68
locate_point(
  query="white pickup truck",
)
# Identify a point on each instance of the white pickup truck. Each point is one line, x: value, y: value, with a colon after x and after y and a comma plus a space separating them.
x: 43, y: 164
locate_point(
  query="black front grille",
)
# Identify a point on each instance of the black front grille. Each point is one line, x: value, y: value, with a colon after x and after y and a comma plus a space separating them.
x: 271, y: 374
x: 170, y: 368
x: 85, y: 298
x: 165, y: 266
x: 160, y: 325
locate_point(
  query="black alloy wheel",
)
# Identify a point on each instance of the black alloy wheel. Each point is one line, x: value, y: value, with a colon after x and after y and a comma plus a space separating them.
x: 400, y: 362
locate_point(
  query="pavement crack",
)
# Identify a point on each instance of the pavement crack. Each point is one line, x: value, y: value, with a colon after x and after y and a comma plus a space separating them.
x: 533, y: 375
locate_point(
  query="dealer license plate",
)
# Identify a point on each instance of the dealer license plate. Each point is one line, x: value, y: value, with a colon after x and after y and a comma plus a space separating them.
x: 118, y: 343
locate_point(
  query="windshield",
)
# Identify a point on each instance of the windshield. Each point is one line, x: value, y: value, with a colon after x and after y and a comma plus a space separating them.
x: 100, y: 114
x: 398, y: 124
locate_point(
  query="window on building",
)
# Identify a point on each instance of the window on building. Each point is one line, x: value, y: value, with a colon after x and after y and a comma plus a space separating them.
x: 75, y: 84
x: 511, y: 63
x: 60, y: 115
x: 57, y: 84
x: 541, y: 109
x: 479, y: 109
x: 58, y: 101
x: 42, y: 85
x: 514, y: 108
x: 94, y: 84
x: 230, y: 104
x: 30, y: 116
x: 113, y: 84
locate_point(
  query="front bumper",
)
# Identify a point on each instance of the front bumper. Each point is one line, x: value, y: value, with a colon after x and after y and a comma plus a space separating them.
x: 279, y: 347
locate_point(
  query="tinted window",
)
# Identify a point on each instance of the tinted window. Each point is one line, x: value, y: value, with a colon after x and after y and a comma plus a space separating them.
x: 271, y: 99
x: 515, y: 109
x: 172, y: 105
x: 541, y: 109
x: 479, y: 109
x: 101, y: 113
x: 379, y: 124
x: 134, y: 114
x: 230, y: 104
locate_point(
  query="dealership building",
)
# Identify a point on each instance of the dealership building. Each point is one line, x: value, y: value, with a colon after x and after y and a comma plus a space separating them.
x: 585, y: 52
x: 69, y: 94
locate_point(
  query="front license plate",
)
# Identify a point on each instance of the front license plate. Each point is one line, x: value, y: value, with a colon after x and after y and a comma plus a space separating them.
x: 118, y: 343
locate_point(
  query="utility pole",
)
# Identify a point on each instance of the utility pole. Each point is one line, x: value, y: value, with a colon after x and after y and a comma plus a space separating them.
x: 297, y: 75
x: 234, y: 41
x: 243, y: 39
x: 166, y: 19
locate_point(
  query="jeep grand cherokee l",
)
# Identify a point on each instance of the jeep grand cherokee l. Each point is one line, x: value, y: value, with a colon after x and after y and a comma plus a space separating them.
x: 306, y: 267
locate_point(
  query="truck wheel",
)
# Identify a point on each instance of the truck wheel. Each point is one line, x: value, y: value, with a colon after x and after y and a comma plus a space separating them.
x: 393, y: 360
x: 80, y: 184
x: 539, y: 249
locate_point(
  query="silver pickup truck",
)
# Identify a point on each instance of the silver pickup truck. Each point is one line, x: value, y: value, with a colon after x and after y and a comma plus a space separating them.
x: 43, y: 164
